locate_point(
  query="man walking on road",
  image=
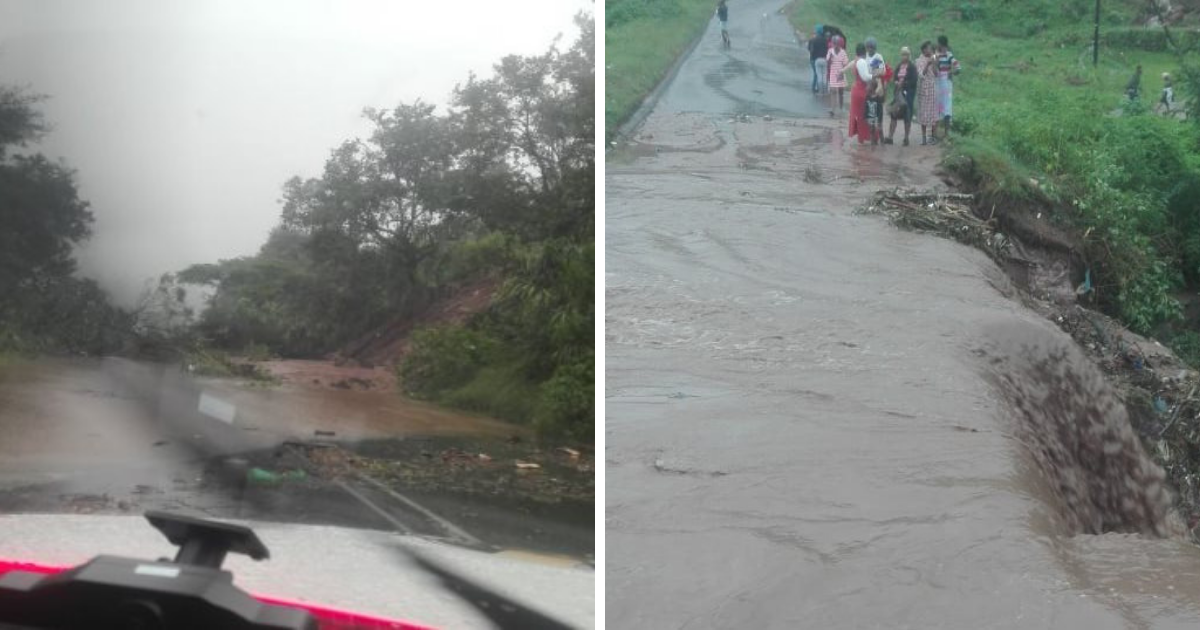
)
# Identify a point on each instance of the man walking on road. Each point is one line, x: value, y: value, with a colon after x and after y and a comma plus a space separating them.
x: 723, y: 16
x: 818, y: 47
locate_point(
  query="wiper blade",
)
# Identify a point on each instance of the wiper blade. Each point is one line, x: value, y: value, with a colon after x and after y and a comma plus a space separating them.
x: 505, y: 613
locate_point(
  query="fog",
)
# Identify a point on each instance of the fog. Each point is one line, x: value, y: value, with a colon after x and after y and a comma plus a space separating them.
x: 184, y: 118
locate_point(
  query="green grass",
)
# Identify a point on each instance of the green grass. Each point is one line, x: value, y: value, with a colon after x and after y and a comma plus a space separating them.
x: 642, y: 39
x: 1055, y: 35
x: 499, y: 391
x: 1038, y: 125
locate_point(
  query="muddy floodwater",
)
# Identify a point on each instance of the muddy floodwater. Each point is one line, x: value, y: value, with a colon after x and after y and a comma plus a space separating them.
x: 815, y: 420
x: 115, y: 436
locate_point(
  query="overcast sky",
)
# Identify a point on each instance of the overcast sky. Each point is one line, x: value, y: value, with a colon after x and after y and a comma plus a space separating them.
x: 184, y: 118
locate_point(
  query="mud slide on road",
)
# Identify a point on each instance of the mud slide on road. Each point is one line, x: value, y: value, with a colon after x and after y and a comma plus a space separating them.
x: 802, y: 429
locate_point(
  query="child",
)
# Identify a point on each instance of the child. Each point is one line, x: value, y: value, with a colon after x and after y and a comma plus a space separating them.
x: 874, y: 105
x: 1168, y: 93
x: 837, y: 62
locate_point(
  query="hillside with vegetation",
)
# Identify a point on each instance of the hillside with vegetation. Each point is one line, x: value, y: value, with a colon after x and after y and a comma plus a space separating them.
x: 497, y: 186
x: 495, y: 190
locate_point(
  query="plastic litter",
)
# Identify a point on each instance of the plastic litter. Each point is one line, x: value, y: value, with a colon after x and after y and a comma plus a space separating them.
x: 259, y: 475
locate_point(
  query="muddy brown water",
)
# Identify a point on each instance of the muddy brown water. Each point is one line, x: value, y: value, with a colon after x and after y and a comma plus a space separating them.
x: 816, y: 420
x: 118, y: 436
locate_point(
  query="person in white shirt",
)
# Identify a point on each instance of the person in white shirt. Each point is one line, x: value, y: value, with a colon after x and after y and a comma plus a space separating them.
x: 873, y: 55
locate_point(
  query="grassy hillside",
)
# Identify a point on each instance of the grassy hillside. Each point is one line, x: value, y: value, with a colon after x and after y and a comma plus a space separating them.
x: 642, y: 39
x: 1041, y: 127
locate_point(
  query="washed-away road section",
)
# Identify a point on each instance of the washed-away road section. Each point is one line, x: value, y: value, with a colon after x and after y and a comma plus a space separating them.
x: 799, y: 432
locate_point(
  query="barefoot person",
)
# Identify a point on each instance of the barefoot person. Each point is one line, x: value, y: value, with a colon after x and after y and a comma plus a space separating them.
x: 903, y: 94
x: 860, y: 73
x: 927, y: 114
x: 837, y: 62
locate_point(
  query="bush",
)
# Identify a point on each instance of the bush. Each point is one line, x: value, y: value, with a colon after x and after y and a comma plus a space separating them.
x: 568, y: 405
x: 1186, y: 346
x: 468, y: 259
x: 443, y: 359
x: 1145, y: 299
x: 257, y: 352
x: 500, y: 391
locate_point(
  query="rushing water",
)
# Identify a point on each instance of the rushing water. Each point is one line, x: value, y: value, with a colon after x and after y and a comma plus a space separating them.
x: 1076, y: 431
x: 815, y: 420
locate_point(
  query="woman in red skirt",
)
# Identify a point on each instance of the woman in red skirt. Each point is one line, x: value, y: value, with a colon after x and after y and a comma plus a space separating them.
x: 858, y: 96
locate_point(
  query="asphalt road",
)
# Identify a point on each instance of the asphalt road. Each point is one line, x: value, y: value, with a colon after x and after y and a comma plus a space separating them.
x: 800, y: 429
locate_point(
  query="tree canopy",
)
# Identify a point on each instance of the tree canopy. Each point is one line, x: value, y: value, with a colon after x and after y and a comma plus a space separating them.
x: 44, y: 306
x: 500, y: 184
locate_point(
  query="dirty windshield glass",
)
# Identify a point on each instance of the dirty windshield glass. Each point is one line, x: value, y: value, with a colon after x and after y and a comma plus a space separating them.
x: 325, y: 269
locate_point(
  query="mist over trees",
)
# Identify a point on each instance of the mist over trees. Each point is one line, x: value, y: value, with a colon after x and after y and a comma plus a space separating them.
x: 43, y: 305
x: 501, y: 184
x: 498, y: 187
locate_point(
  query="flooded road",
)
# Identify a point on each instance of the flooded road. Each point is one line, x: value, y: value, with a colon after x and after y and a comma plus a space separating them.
x: 115, y: 436
x: 807, y: 423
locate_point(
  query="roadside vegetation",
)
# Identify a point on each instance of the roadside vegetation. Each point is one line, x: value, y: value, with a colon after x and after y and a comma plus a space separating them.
x: 500, y: 185
x: 1040, y: 130
x: 497, y: 186
x: 44, y: 306
x: 642, y: 38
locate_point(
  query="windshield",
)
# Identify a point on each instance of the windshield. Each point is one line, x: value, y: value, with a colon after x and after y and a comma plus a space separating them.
x: 323, y: 268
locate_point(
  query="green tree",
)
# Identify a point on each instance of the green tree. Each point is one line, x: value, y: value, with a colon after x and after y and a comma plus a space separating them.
x: 45, y: 307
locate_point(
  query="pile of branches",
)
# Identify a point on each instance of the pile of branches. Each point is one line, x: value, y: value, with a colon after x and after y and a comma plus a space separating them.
x: 943, y: 213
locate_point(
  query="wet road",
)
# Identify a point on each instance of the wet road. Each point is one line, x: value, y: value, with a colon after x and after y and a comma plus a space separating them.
x: 114, y: 436
x: 801, y: 429
x: 117, y: 427
x: 87, y: 445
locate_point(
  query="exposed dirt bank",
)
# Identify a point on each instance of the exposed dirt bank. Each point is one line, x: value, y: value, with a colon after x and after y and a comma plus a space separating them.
x: 1043, y: 271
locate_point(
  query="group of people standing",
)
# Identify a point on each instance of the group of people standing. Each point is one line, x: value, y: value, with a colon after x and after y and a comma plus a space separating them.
x: 924, y: 86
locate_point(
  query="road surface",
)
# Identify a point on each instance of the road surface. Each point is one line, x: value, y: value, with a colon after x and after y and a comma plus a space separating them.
x: 801, y: 430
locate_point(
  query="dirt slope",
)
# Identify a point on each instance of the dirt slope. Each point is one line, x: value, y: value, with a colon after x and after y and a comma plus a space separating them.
x: 389, y: 343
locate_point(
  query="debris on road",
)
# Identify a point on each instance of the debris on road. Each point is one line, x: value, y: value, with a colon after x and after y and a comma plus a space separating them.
x: 260, y: 475
x: 947, y: 214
